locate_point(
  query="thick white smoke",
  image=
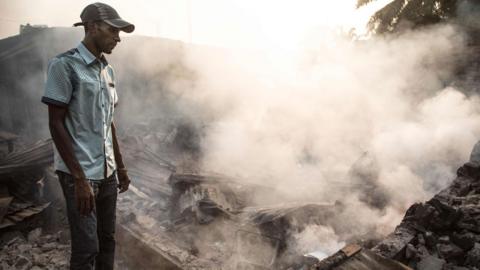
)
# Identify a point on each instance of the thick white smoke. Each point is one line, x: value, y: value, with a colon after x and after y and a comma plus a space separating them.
x: 296, y: 121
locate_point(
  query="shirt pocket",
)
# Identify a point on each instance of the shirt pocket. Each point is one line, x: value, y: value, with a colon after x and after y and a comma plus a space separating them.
x: 89, y: 91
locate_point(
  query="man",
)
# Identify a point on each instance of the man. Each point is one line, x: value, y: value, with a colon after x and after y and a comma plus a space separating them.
x: 81, y: 96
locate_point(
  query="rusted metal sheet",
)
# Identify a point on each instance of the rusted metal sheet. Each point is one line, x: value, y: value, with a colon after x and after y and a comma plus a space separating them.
x: 367, y: 260
x: 353, y: 257
x: 35, y: 156
x: 351, y: 249
x: 136, y: 253
x: 11, y: 219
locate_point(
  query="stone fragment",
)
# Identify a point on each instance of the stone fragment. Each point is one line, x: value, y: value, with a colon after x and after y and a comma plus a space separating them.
x: 6, y: 238
x: 63, y: 237
x: 421, y: 239
x: 59, y: 259
x: 430, y: 240
x: 444, y: 239
x: 24, y: 248
x: 4, y: 265
x: 449, y: 251
x: 410, y: 251
x: 473, y: 256
x: 22, y: 263
x: 41, y: 259
x: 423, y: 251
x: 466, y: 241
x: 445, y: 215
x: 470, y: 169
x: 430, y: 263
x: 423, y: 213
x: 46, y: 239
x: 63, y: 247
x: 451, y: 266
x: 34, y: 235
x: 48, y: 246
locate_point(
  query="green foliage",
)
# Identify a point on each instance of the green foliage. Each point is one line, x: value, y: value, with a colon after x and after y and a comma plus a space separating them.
x: 415, y: 13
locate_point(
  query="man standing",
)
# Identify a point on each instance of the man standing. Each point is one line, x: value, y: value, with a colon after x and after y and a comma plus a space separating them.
x: 81, y: 96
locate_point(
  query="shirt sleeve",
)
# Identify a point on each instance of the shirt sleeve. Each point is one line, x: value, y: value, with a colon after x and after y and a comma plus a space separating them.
x: 58, y: 88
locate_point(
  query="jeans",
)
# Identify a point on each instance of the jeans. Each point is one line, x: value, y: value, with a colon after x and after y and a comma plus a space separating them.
x: 92, y: 236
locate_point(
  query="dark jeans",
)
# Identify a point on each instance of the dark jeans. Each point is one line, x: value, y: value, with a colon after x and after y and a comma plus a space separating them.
x: 93, y: 236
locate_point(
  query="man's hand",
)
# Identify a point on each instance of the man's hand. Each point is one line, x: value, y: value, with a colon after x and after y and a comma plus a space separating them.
x: 123, y: 180
x: 84, y: 196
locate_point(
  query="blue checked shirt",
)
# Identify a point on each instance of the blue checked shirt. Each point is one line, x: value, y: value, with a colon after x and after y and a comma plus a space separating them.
x: 85, y: 85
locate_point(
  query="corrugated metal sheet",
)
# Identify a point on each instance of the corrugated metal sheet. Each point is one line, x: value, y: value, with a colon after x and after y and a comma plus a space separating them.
x: 353, y: 257
x: 367, y: 260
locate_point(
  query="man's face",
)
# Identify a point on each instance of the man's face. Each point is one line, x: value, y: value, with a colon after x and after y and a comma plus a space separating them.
x: 106, y: 37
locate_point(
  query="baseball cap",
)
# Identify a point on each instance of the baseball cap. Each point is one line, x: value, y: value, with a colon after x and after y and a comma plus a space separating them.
x: 103, y: 12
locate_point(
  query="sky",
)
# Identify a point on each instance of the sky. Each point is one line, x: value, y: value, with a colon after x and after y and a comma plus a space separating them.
x: 225, y: 23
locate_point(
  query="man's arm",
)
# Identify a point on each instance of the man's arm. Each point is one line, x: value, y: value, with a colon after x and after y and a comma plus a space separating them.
x: 63, y: 142
x: 123, y: 178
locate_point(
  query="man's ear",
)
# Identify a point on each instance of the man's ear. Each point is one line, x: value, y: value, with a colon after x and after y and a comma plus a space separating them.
x: 92, y: 27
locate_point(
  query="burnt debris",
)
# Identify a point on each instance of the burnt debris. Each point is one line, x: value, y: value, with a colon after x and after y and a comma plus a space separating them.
x: 444, y: 232
x: 33, y: 228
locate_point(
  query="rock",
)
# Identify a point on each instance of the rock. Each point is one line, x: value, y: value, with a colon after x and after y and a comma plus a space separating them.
x: 472, y: 168
x: 423, y: 251
x: 41, y: 259
x: 449, y: 251
x: 63, y: 247
x: 430, y: 263
x: 48, y: 247
x: 451, y: 266
x: 466, y: 241
x: 63, y: 237
x: 473, y: 256
x: 46, y: 239
x: 24, y: 248
x: 6, y: 238
x: 59, y: 259
x: 430, y: 240
x: 445, y: 215
x: 421, y: 239
x: 444, y: 239
x: 423, y: 213
x: 410, y: 251
x: 4, y: 265
x: 22, y: 263
x: 34, y: 235
x: 36, y: 267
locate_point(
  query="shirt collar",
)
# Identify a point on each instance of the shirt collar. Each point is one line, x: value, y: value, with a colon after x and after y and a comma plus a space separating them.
x: 87, y: 56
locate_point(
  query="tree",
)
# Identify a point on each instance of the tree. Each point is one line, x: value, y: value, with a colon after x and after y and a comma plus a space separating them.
x: 414, y: 13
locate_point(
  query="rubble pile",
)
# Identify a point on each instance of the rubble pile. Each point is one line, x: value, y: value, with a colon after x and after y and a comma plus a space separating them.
x: 23, y: 176
x: 33, y: 226
x: 211, y: 221
x: 182, y: 218
x: 35, y: 251
x: 192, y: 219
x: 444, y: 232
